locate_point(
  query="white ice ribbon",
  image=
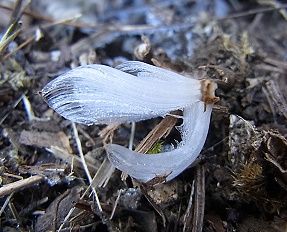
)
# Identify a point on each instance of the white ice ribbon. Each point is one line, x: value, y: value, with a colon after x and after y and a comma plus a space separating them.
x: 134, y: 91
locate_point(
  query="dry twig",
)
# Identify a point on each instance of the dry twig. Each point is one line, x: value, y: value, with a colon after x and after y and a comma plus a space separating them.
x: 20, y: 184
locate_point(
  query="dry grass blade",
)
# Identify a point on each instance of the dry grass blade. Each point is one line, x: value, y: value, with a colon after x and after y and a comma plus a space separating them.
x: 160, y: 131
x: 6, y: 203
x: 194, y: 221
x: 8, y: 37
x: 103, y: 174
x: 107, y: 132
x: 24, y: 44
x: 28, y: 108
x: 78, y: 142
x: 199, y: 200
x: 17, y: 12
x: 116, y: 203
x: 13, y: 30
x: 188, y: 213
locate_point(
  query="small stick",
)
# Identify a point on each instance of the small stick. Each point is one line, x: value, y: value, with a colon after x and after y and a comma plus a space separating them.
x: 13, y: 176
x: 20, y: 184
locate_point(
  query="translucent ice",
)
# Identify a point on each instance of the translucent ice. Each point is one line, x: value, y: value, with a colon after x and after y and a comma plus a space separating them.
x: 133, y: 91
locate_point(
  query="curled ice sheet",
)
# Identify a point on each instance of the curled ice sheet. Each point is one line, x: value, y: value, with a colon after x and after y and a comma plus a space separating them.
x: 145, y: 167
x: 136, y: 91
x: 98, y: 94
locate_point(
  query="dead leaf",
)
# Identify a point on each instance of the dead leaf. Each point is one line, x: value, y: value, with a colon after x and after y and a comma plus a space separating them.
x: 45, y: 139
x: 58, y: 210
